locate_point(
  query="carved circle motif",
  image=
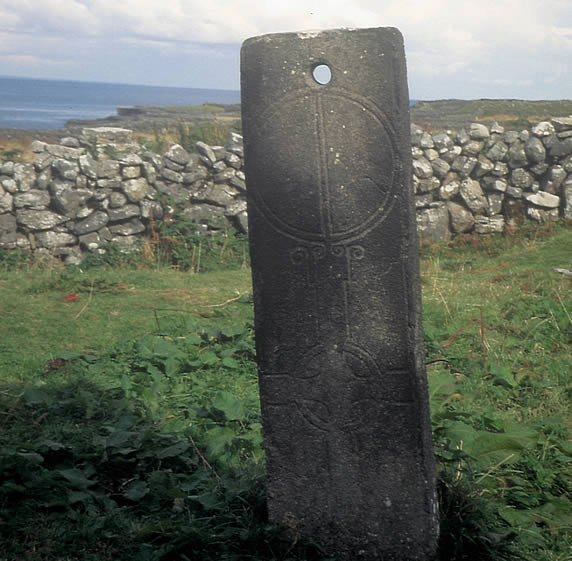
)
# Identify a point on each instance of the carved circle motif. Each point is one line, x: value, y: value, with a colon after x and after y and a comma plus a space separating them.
x: 308, y: 201
x: 334, y: 371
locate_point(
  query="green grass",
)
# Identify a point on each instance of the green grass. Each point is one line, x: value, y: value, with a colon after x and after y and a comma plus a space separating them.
x: 130, y: 416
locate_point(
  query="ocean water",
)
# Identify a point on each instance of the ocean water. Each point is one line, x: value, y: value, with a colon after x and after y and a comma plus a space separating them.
x: 27, y: 103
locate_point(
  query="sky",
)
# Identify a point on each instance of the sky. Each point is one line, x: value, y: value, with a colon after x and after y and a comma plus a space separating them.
x: 465, y: 49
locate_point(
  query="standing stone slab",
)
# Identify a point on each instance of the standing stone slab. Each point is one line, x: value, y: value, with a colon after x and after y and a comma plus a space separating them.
x: 337, y: 294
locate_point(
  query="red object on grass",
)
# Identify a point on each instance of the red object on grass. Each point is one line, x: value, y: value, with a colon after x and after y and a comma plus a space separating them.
x: 71, y: 297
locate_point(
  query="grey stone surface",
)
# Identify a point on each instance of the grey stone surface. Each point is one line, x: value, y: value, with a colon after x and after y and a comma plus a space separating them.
x: 123, y: 213
x: 52, y: 239
x: 567, y: 198
x: 462, y: 220
x: 433, y: 223
x: 75, y: 185
x: 33, y: 199
x: 178, y: 154
x: 25, y: 176
x: 535, y: 151
x: 8, y: 230
x: 39, y: 219
x: 129, y: 228
x: 543, y: 199
x: 489, y: 225
x: 135, y: 189
x: 92, y: 223
x: 336, y: 291
x: 473, y: 196
x: 478, y: 131
x: 207, y: 153
x: 544, y: 128
x: 562, y: 123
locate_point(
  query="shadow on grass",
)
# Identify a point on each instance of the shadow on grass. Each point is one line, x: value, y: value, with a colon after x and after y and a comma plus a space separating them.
x: 86, y: 474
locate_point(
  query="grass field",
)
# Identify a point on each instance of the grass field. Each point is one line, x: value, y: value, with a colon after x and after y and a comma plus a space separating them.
x: 130, y: 416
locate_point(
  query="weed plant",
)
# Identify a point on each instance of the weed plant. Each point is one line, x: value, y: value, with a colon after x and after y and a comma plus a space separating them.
x: 131, y: 424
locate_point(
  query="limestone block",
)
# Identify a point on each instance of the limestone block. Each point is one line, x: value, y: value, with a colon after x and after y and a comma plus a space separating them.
x: 442, y: 141
x: 544, y: 128
x: 178, y: 154
x: 543, y: 199
x: 25, y: 176
x: 8, y: 228
x: 520, y: 178
x: 39, y: 219
x: 433, y: 224
x: 172, y: 176
x: 567, y: 199
x: 136, y: 189
x: 495, y: 203
x: 473, y: 196
x: 207, y: 153
x: 130, y: 172
x: 123, y: 213
x: 65, y: 152
x: 51, y: 239
x: 108, y: 169
x: 92, y: 223
x: 562, y: 123
x: 440, y: 167
x: 516, y: 156
x: 64, y: 169
x: 473, y: 147
x: 461, y: 219
x: 483, y: 166
x: 535, y: 151
x: 489, y: 224
x: 478, y: 131
x: 33, y: 199
x: 129, y: 228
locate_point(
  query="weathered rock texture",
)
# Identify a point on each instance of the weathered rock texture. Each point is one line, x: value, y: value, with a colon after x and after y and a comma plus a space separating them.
x: 487, y: 180
x: 501, y: 180
x: 337, y: 294
x: 102, y: 187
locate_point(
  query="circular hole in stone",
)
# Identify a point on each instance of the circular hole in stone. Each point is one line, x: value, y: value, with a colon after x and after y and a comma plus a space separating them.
x: 322, y: 74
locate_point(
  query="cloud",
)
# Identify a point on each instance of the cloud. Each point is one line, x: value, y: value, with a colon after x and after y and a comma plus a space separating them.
x: 446, y: 40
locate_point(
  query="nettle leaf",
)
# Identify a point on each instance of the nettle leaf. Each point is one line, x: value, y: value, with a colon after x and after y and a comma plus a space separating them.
x: 174, y: 450
x: 209, y: 358
x: 76, y: 478
x: 36, y: 396
x: 69, y: 355
x: 230, y: 362
x: 193, y: 339
x: 229, y: 405
x: 136, y: 490
x: 31, y: 457
x: 172, y: 366
x: 499, y: 446
x: 517, y: 518
x: 126, y: 384
x: 232, y: 331
x: 218, y: 439
x: 78, y: 496
x: 119, y: 438
x: 502, y: 375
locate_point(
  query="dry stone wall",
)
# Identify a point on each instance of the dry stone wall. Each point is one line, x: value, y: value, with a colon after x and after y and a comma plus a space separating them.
x: 102, y: 187
x: 487, y: 180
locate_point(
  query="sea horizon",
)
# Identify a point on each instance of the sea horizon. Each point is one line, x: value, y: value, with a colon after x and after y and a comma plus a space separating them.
x: 45, y: 104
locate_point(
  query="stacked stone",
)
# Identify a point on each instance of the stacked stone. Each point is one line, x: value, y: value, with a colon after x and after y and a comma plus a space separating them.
x: 86, y: 192
x: 102, y: 187
x: 486, y: 179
